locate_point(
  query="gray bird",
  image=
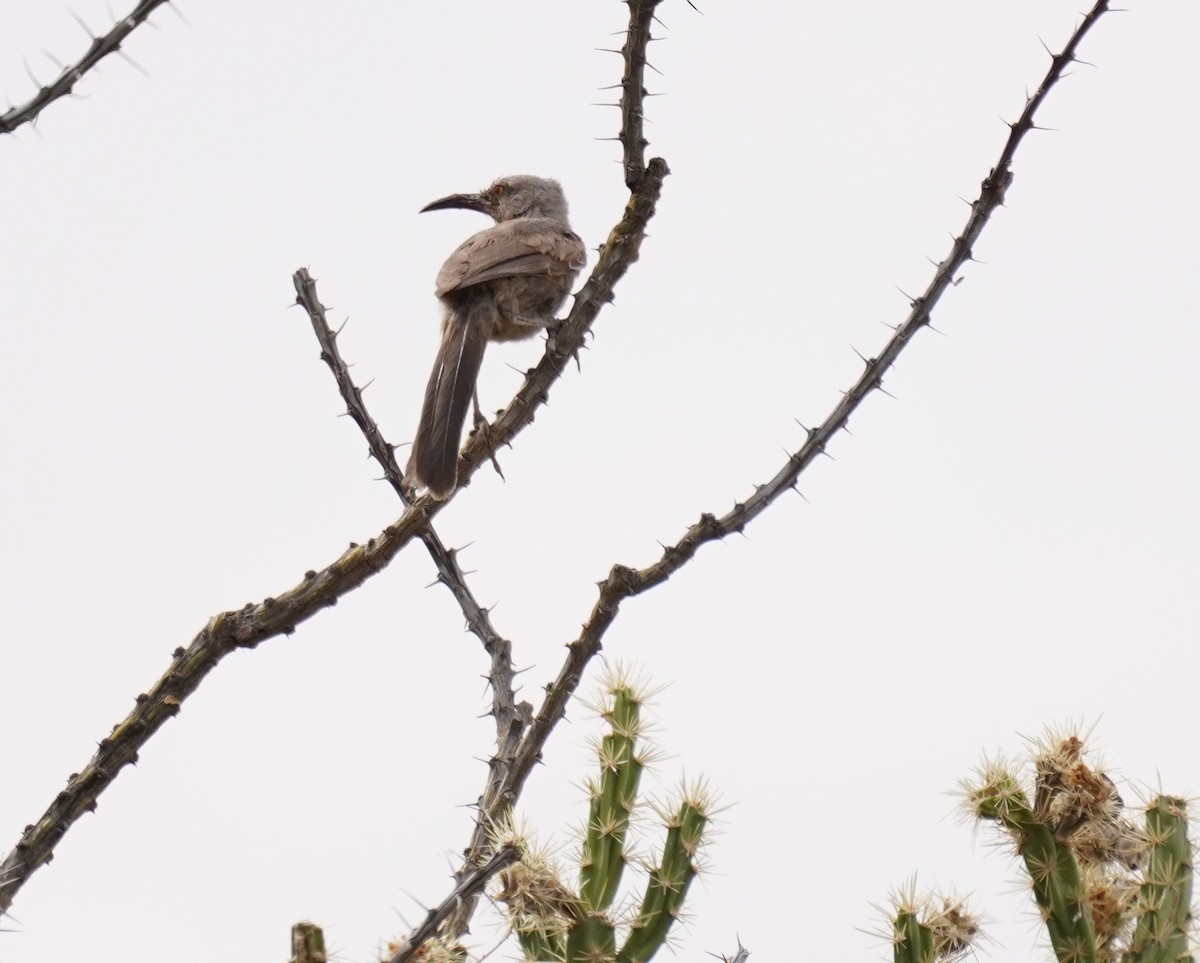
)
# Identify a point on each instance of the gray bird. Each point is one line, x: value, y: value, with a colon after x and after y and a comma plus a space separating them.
x: 502, y: 284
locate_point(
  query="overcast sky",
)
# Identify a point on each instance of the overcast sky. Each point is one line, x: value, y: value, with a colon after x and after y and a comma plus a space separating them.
x: 1009, y: 541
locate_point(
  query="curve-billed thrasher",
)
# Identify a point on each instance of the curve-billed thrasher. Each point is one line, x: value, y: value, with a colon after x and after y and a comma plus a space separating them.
x: 501, y: 284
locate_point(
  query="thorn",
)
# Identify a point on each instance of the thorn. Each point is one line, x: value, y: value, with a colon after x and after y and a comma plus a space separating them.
x: 133, y: 63
x: 861, y: 358
x: 29, y: 73
x: 879, y: 386
x: 79, y: 20
x: 179, y: 13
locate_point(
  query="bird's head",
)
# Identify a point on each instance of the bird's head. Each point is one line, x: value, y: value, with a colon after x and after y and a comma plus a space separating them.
x: 521, y: 195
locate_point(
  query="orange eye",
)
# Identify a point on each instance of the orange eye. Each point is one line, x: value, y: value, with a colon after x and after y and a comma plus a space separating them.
x: 498, y: 189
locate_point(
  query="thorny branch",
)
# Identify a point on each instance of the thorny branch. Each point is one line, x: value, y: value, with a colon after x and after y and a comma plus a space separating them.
x: 511, y: 719
x: 70, y: 75
x: 467, y: 890
x: 633, y: 90
x: 624, y: 582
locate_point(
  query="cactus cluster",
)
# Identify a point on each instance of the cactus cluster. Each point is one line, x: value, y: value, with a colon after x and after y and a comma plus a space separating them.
x: 554, y: 921
x: 1107, y: 890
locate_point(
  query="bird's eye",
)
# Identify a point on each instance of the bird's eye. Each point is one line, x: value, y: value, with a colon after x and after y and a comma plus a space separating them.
x: 498, y: 189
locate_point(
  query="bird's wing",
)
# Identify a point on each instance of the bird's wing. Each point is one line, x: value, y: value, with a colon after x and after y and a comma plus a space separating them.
x: 510, y: 249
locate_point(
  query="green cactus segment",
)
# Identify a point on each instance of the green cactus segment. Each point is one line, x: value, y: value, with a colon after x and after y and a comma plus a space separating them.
x: 592, y: 939
x: 1059, y: 890
x: 308, y: 944
x: 538, y: 944
x: 1057, y: 883
x: 912, y: 942
x: 1160, y: 935
x: 613, y: 798
x: 668, y: 884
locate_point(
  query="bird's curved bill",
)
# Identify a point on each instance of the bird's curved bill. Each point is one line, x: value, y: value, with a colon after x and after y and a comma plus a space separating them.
x: 470, y: 202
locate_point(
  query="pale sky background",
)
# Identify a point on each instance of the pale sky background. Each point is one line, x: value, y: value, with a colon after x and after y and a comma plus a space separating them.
x: 1009, y: 542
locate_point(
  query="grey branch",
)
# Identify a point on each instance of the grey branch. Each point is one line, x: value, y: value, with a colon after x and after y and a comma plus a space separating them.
x: 624, y: 582
x: 511, y: 718
x: 70, y: 75
x: 446, y: 559
x: 465, y: 891
x: 633, y: 96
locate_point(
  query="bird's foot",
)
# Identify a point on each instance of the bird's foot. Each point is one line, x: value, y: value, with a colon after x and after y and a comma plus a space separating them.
x: 482, y: 428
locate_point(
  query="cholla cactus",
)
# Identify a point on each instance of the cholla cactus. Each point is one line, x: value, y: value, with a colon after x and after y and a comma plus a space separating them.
x: 1107, y: 889
x: 1165, y: 897
x: 555, y: 922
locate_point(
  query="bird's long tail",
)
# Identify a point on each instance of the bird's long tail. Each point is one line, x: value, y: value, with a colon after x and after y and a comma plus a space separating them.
x: 434, y: 459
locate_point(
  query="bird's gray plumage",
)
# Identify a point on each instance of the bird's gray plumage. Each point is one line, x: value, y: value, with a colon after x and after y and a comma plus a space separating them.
x: 502, y: 284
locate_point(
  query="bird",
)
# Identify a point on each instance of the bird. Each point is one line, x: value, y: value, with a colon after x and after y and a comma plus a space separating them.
x: 504, y: 283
